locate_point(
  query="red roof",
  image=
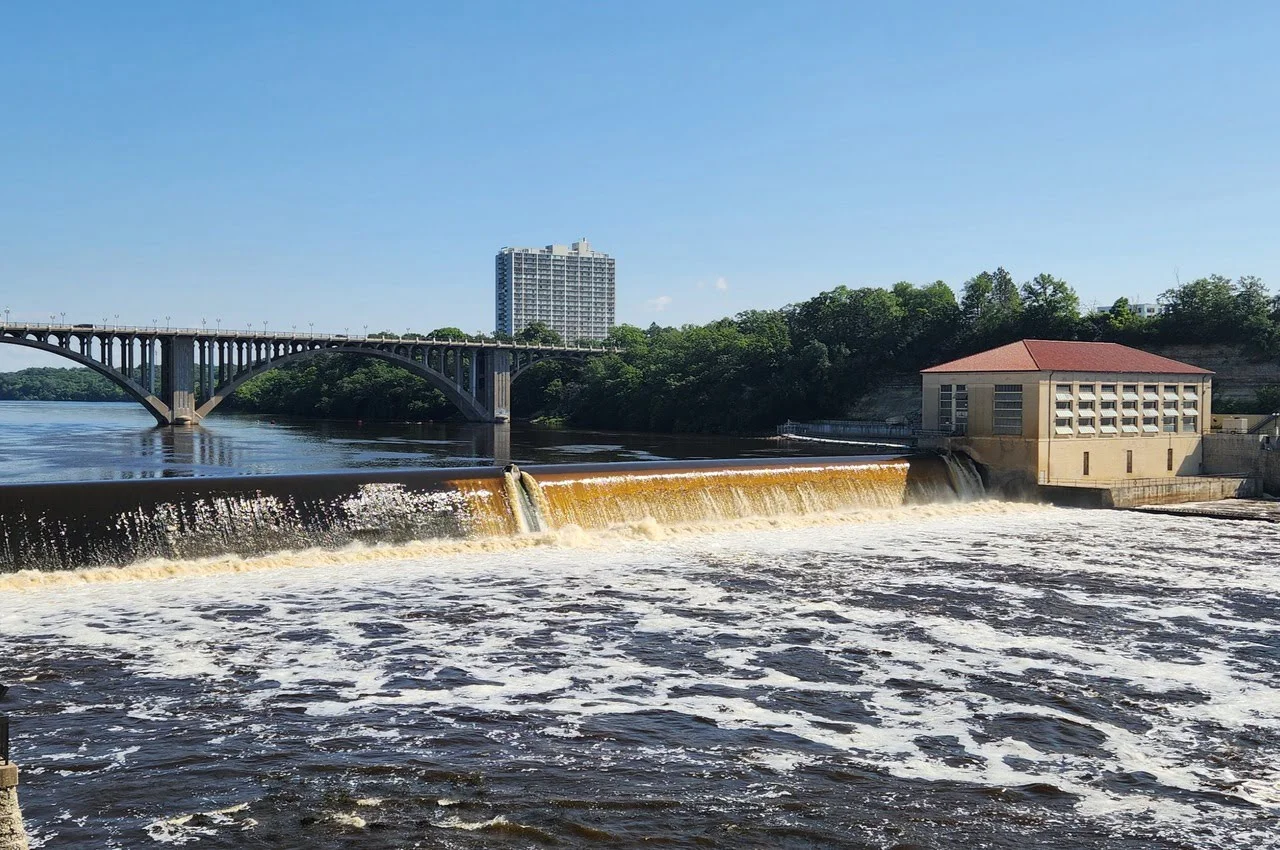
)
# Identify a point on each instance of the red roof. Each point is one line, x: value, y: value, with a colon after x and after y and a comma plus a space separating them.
x: 1048, y: 355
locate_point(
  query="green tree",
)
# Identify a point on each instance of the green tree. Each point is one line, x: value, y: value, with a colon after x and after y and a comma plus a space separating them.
x: 1050, y: 308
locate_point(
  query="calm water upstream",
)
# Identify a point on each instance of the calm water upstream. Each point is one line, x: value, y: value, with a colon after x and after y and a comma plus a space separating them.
x: 55, y: 441
x: 938, y: 675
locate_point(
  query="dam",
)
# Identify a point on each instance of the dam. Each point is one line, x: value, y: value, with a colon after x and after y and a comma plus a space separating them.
x: 61, y: 526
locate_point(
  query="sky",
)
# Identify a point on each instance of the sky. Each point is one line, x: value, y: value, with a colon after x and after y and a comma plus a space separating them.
x: 352, y: 164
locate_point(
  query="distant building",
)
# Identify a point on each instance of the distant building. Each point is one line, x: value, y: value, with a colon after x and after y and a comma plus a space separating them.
x: 570, y: 289
x: 1046, y: 411
x: 1146, y: 310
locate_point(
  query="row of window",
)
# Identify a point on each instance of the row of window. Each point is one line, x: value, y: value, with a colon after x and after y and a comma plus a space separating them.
x: 1114, y: 409
x: 953, y: 408
x: 1084, y: 409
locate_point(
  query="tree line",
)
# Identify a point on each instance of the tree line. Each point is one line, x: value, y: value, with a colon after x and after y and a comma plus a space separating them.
x: 49, y: 383
x: 815, y: 358
x: 808, y: 360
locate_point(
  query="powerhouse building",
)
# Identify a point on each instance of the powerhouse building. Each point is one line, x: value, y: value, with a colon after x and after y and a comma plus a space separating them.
x: 1048, y: 411
x: 568, y: 288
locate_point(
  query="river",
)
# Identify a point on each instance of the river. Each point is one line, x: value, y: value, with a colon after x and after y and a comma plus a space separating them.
x: 70, y: 441
x: 939, y: 675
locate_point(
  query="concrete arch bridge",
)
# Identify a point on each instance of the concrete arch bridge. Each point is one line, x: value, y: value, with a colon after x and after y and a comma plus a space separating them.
x: 181, y: 375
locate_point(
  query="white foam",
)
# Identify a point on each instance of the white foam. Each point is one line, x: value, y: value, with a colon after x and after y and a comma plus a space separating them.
x: 588, y: 598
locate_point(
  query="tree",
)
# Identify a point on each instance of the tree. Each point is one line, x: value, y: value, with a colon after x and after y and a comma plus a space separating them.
x: 447, y: 333
x: 1050, y: 308
x: 992, y: 308
x: 1202, y: 310
x: 539, y: 333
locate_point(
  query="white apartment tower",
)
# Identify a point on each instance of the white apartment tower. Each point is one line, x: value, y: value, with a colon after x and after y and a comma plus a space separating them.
x: 570, y: 289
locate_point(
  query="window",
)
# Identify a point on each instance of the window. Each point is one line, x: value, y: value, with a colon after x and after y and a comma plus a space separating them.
x: 1189, y: 424
x: 1170, y: 392
x: 1129, y: 425
x: 1150, y: 392
x: 946, y: 410
x: 1063, y: 393
x: 1086, y: 463
x: 1130, y: 392
x: 1128, y: 461
x: 1007, y: 415
x: 1171, y: 424
x: 1169, y: 461
x: 1150, y: 424
x: 1062, y: 426
x: 1085, y: 412
x: 1190, y: 394
x: 962, y: 407
x: 1109, y: 392
x: 1107, y: 425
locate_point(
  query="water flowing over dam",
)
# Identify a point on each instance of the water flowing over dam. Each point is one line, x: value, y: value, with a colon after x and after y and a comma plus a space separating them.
x: 67, y: 526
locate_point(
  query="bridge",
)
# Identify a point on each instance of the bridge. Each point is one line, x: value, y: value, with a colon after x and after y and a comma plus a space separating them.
x: 180, y: 375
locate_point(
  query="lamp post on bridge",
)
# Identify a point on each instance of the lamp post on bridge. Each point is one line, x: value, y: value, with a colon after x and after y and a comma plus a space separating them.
x: 219, y: 321
x: 6, y: 315
x: 167, y: 321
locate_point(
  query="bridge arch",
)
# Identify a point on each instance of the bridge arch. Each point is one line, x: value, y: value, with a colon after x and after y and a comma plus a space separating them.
x: 522, y: 362
x: 469, y: 407
x: 147, y: 399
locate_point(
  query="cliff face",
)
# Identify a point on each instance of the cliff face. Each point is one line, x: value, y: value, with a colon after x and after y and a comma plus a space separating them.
x: 1237, y: 377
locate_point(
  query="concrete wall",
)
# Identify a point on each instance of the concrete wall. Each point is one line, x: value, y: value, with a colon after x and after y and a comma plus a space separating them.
x: 12, y: 834
x: 1243, y: 454
x: 1109, y: 457
x: 1166, y: 492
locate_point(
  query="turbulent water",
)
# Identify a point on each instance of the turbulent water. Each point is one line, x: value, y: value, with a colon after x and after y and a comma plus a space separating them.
x: 957, y: 676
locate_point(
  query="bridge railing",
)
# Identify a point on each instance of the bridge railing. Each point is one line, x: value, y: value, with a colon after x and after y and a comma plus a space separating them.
x: 295, y: 336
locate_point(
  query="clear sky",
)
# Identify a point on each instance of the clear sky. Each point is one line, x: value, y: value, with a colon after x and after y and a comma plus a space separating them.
x: 360, y: 163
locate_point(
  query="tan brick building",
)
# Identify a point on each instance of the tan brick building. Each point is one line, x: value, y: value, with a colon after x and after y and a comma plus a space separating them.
x: 1047, y: 411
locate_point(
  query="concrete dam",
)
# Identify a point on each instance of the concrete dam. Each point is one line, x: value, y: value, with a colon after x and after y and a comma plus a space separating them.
x: 56, y: 527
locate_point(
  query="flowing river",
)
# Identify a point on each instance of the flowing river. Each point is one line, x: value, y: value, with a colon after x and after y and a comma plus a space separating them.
x: 790, y: 654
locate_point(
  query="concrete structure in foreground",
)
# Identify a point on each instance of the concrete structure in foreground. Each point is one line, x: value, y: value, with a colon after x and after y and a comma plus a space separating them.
x: 1047, y: 412
x: 13, y: 835
x: 1255, y: 455
x: 181, y: 374
x: 569, y: 289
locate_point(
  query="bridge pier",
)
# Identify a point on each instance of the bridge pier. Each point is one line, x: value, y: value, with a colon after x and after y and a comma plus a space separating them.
x: 178, y: 378
x: 497, y: 394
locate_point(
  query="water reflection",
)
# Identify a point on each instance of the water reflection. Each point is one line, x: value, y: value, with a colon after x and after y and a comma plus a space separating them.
x: 180, y: 452
x: 69, y: 441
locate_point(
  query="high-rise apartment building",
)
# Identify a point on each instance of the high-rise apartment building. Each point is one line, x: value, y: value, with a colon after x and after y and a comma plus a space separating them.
x: 570, y: 289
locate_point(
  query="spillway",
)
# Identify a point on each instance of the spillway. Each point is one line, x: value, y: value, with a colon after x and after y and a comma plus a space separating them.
x: 72, y: 525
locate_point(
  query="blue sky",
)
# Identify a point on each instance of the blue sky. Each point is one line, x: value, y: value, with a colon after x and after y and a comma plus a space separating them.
x: 349, y: 164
